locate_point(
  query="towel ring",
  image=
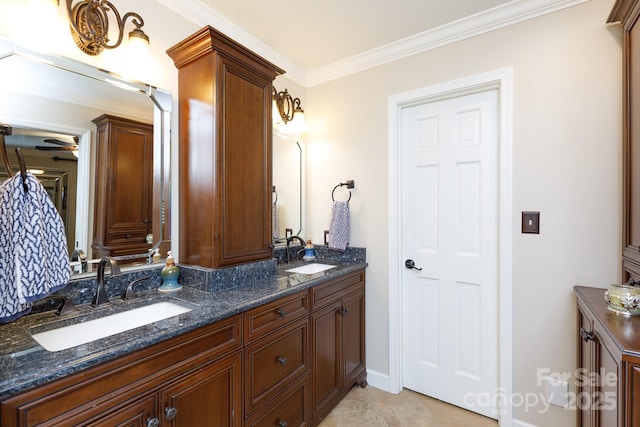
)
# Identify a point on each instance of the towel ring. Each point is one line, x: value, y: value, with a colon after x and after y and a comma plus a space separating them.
x: 273, y: 191
x: 334, y: 190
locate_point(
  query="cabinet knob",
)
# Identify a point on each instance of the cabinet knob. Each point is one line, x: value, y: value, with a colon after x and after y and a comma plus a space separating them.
x: 344, y: 311
x: 170, y: 413
x: 587, y: 336
x: 282, y: 360
x: 282, y: 424
x: 153, y: 422
x: 282, y: 312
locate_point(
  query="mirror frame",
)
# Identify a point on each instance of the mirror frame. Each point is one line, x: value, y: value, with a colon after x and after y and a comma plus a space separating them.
x: 162, y: 106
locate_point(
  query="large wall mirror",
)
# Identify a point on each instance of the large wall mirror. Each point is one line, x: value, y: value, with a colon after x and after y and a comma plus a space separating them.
x: 288, y: 187
x: 50, y: 102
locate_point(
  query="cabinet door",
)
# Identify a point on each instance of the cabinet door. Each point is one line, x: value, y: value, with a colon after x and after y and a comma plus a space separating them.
x: 211, y: 396
x: 326, y: 342
x: 244, y: 170
x: 353, y: 335
x: 633, y: 394
x: 604, y: 400
x: 585, y: 381
x: 140, y: 413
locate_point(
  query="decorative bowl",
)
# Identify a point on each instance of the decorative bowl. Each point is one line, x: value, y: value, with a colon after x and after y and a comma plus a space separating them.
x: 623, y: 299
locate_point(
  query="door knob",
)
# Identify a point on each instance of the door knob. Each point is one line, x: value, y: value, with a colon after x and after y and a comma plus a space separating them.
x: 411, y: 265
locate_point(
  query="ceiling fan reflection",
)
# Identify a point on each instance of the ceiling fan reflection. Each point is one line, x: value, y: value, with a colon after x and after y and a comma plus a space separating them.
x: 58, y: 145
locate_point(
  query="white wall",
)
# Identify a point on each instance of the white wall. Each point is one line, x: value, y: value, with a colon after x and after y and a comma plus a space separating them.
x: 566, y: 164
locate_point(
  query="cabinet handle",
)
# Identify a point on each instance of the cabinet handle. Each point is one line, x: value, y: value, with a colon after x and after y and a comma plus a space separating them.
x: 344, y: 311
x: 282, y: 312
x: 170, y: 413
x: 587, y: 336
x: 282, y: 360
x: 282, y: 424
x: 153, y: 422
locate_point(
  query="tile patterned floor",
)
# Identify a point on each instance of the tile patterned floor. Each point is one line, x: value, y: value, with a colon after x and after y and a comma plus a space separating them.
x: 372, y: 407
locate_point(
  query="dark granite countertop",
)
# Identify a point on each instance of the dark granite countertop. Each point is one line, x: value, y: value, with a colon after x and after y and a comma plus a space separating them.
x: 25, y: 364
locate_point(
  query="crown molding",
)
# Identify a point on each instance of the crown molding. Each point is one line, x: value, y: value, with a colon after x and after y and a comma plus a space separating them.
x: 484, y: 22
x: 201, y: 15
x: 499, y: 17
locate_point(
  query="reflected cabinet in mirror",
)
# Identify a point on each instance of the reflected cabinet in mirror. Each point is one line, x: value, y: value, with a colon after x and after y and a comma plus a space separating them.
x: 55, y: 105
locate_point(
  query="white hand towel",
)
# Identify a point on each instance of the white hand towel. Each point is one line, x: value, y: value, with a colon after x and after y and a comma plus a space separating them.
x: 340, y: 226
x: 34, y: 260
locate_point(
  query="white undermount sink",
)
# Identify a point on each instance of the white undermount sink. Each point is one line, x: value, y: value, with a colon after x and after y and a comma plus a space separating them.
x: 91, y: 330
x: 311, y: 268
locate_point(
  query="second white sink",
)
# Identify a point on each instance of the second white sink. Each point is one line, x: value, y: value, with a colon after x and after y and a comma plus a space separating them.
x: 311, y: 268
x: 91, y: 330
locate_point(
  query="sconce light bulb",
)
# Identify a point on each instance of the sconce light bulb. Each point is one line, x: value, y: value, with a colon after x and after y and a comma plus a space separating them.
x: 138, y: 36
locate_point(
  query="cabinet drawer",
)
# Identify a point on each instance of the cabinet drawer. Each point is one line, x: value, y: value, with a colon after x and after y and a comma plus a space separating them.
x: 127, y: 236
x: 269, y: 317
x: 273, y: 362
x: 292, y: 407
x: 335, y: 289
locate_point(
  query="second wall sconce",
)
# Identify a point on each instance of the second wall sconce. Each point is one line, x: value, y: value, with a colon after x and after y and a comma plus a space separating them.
x: 289, y: 109
x: 89, y: 22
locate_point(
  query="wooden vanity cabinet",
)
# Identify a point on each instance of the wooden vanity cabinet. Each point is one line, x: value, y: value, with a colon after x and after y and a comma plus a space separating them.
x: 284, y: 363
x: 225, y: 146
x: 123, y: 186
x: 191, y: 378
x: 337, y: 341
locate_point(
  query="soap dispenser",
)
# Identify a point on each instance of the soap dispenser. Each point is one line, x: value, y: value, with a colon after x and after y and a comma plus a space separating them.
x: 169, y: 274
x: 309, y: 251
x: 156, y: 256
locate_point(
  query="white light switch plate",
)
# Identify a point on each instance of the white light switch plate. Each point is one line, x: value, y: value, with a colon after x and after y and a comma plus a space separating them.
x: 557, y: 392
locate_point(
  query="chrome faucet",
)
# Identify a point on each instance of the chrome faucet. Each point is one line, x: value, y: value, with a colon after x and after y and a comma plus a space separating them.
x: 291, y: 238
x: 101, y: 292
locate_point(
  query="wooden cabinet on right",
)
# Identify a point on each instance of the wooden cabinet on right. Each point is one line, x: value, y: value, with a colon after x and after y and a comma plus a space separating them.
x: 627, y: 13
x: 337, y: 341
x: 608, y: 375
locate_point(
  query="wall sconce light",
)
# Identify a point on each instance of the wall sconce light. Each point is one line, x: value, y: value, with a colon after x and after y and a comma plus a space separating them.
x: 289, y: 110
x: 89, y: 22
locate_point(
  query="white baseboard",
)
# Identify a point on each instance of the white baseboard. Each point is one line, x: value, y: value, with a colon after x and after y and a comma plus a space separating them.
x: 518, y: 423
x: 378, y: 380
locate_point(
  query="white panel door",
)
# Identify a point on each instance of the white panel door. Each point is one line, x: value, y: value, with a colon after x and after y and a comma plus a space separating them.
x: 449, y: 229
